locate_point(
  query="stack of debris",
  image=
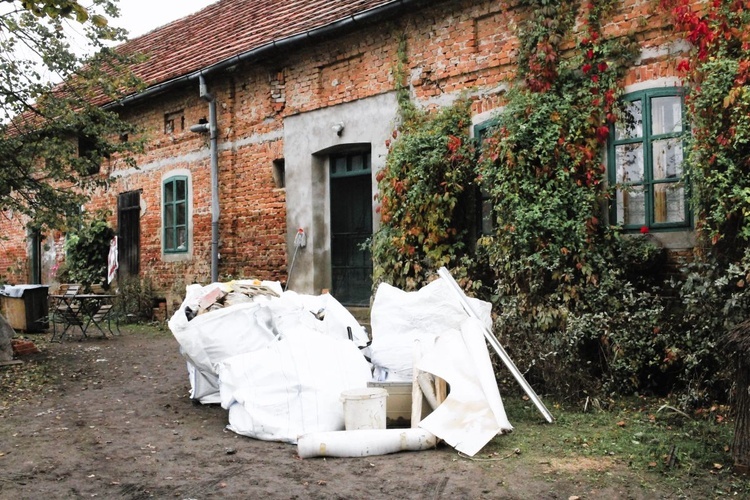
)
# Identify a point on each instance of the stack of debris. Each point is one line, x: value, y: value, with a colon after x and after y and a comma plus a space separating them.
x: 280, y: 363
x: 235, y: 292
x: 23, y: 347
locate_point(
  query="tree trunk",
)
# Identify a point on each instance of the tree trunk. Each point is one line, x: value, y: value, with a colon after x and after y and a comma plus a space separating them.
x: 741, y: 444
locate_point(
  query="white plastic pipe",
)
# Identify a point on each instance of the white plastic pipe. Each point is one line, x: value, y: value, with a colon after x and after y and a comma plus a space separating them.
x: 364, y: 443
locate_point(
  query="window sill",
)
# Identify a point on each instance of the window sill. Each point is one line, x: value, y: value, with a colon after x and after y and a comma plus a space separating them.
x: 680, y: 239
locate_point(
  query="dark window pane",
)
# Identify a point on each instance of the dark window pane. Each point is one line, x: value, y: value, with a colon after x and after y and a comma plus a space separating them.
x: 181, y: 187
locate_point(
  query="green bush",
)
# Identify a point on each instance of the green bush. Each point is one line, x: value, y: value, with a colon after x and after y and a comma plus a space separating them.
x: 135, y: 298
x: 86, y: 252
x: 423, y: 192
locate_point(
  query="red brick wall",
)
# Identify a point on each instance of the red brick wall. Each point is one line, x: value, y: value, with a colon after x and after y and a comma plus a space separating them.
x: 13, y: 261
x: 452, y: 46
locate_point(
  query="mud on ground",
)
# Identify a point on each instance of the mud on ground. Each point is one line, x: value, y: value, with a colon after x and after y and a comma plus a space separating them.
x: 113, y: 419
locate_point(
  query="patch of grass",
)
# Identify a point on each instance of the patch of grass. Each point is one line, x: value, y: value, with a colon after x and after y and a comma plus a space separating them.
x: 664, y: 448
x: 152, y: 329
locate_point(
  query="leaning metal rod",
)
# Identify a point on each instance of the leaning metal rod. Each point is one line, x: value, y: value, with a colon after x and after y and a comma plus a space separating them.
x: 300, y: 241
x: 446, y: 275
x: 291, y: 268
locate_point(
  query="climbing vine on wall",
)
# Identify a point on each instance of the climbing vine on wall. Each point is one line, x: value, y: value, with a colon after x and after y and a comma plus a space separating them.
x: 429, y: 169
x: 718, y: 72
x: 576, y: 315
x: 564, y: 294
x: 543, y: 164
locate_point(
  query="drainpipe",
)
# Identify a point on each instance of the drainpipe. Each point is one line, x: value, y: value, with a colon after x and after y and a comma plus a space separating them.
x: 213, y: 131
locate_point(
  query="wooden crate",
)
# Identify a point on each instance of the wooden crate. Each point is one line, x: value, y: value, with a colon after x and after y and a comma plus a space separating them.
x: 27, y: 313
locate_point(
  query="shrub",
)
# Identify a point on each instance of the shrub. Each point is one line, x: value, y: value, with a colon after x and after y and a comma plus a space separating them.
x: 423, y: 191
x: 86, y: 251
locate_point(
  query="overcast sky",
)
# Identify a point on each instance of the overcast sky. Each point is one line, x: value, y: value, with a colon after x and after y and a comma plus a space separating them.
x: 142, y: 16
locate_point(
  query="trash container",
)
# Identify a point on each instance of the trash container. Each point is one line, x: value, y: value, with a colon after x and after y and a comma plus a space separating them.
x: 25, y: 307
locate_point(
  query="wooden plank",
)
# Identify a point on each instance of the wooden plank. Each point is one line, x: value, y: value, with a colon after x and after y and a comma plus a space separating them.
x: 441, y: 390
x: 416, y: 391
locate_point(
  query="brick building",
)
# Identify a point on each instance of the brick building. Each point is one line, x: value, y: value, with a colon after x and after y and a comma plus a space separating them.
x: 300, y: 97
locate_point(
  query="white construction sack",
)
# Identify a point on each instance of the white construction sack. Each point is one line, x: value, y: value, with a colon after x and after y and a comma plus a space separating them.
x: 292, y: 386
x: 214, y: 336
x: 336, y: 319
x: 399, y: 318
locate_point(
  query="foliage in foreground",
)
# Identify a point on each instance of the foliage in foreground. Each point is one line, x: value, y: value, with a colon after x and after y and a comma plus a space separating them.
x: 56, y: 137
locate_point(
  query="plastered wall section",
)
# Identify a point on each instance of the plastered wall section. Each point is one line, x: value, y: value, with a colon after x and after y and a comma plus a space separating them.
x: 309, y: 139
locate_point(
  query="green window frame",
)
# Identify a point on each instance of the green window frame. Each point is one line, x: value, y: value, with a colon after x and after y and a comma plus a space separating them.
x: 645, y: 163
x: 175, y: 213
x: 350, y: 164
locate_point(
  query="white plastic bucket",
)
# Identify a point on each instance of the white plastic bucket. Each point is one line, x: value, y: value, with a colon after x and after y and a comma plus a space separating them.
x: 364, y: 408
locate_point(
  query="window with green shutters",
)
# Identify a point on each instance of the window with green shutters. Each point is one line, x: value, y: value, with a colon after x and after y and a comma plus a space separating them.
x: 175, y: 215
x: 645, y: 162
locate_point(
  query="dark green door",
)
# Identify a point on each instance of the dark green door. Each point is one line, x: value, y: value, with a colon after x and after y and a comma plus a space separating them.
x: 351, y: 227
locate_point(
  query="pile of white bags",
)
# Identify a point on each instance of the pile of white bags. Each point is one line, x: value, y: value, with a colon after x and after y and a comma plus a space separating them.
x: 400, y: 318
x: 277, y: 364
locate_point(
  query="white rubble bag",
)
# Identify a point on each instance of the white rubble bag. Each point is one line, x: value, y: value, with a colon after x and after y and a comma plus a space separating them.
x: 473, y: 412
x: 214, y: 336
x: 322, y: 313
x: 292, y: 386
x: 336, y: 321
x: 399, y: 318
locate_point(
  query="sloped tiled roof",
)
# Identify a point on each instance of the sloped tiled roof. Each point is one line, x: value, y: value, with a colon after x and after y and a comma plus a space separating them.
x: 232, y: 27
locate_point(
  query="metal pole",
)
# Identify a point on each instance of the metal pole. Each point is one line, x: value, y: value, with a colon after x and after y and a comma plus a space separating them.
x: 213, y: 131
x: 215, y: 210
x: 446, y: 275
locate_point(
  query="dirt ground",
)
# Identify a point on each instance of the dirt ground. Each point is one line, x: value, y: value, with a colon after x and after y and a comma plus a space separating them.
x: 114, y: 420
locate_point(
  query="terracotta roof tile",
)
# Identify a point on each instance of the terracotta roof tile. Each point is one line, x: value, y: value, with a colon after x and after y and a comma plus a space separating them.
x: 231, y: 27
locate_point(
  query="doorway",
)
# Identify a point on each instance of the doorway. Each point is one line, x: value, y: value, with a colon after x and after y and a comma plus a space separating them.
x: 351, y: 228
x: 35, y: 268
x: 129, y: 233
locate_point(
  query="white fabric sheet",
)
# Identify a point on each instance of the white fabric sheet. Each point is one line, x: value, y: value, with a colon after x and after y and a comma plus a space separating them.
x: 473, y: 412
